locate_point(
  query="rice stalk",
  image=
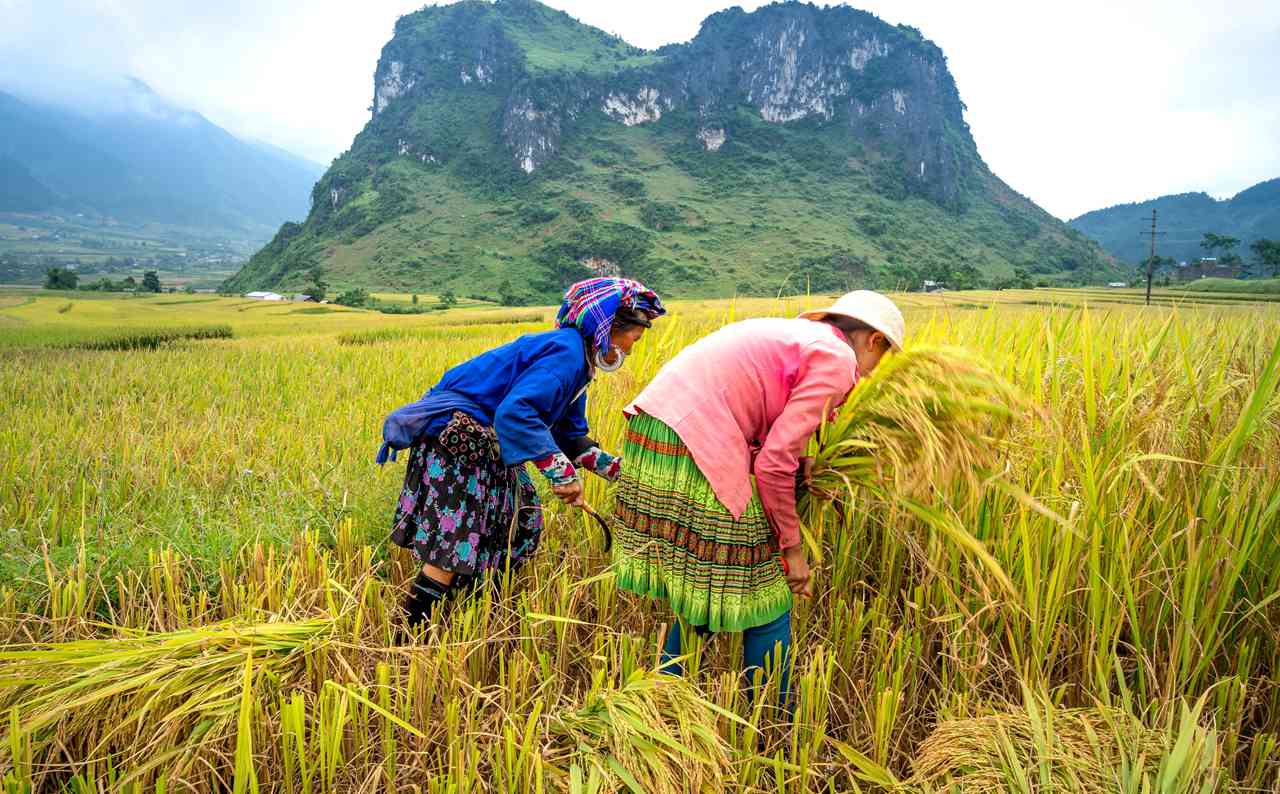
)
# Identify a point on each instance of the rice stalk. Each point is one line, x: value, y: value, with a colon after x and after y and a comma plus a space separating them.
x: 144, y: 700
x: 1043, y: 748
x: 922, y: 417
x: 655, y: 733
x: 1139, y: 527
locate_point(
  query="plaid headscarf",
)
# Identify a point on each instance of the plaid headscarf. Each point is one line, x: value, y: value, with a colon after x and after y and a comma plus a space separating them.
x: 591, y: 305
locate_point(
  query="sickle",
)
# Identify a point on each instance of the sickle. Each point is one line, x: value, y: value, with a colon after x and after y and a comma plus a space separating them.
x: 604, y: 525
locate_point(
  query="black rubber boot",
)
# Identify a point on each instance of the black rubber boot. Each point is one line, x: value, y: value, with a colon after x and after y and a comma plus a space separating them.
x: 425, y: 596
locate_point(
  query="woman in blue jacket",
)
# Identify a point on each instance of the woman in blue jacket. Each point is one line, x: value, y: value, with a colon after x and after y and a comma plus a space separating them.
x: 468, y: 506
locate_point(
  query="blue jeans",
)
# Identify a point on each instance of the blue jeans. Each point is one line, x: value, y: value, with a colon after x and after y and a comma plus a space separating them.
x: 757, y: 651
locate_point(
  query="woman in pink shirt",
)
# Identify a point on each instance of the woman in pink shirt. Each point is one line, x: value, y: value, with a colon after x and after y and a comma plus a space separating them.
x: 692, y: 527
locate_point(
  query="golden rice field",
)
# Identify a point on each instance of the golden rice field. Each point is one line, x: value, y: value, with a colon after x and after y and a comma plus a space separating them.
x: 196, y: 592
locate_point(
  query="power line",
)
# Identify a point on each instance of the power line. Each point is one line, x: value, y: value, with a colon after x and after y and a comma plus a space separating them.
x: 1151, y: 262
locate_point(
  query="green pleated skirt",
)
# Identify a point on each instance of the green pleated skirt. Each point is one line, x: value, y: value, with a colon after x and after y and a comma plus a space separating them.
x: 675, y: 541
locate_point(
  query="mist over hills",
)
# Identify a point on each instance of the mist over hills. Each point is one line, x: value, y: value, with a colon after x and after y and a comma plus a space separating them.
x: 116, y: 150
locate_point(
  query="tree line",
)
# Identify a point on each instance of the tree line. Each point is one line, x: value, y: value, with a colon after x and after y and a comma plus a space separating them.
x: 59, y: 278
x: 1266, y: 256
x: 1266, y: 252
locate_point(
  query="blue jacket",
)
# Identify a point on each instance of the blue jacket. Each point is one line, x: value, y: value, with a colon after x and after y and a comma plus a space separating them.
x: 532, y: 391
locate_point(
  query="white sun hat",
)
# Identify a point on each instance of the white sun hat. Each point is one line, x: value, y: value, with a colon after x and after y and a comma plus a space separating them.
x: 868, y: 307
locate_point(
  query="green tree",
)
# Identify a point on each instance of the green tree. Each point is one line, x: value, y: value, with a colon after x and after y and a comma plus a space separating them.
x: 535, y: 215
x: 353, y: 297
x: 448, y: 298
x: 414, y: 301
x: 317, y: 287
x: 964, y: 276
x: 150, y: 281
x: 1268, y: 255
x: 1213, y: 242
x: 627, y: 187
x: 507, y: 294
x: 579, y: 209
x: 60, y: 278
x: 898, y: 277
x: 659, y: 216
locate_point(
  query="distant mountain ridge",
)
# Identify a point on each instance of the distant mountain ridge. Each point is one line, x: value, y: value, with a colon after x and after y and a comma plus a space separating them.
x: 1185, y: 217
x: 513, y: 149
x: 145, y: 160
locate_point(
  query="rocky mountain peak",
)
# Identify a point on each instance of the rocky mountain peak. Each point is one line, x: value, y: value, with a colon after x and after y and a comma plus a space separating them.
x: 791, y: 62
x: 512, y: 149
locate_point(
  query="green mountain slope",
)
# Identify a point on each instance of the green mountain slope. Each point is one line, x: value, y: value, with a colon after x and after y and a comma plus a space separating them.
x: 513, y: 150
x: 19, y: 190
x: 1250, y: 214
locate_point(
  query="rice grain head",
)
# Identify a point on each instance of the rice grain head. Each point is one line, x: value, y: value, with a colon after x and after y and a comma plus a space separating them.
x: 654, y: 733
x: 1043, y: 748
x: 921, y: 418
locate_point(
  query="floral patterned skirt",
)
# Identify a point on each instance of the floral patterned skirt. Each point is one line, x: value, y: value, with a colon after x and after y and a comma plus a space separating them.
x: 466, y: 512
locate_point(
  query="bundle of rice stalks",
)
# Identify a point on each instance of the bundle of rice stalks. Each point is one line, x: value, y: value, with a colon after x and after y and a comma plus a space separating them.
x: 145, y: 701
x: 1082, y: 751
x: 1079, y: 752
x: 653, y: 734
x: 921, y: 417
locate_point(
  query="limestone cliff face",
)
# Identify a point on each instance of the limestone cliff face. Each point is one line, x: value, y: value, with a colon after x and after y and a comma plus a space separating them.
x: 788, y: 62
x: 886, y: 85
x: 440, y: 48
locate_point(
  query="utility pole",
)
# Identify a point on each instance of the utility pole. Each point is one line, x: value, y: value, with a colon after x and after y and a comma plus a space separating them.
x: 1151, y: 261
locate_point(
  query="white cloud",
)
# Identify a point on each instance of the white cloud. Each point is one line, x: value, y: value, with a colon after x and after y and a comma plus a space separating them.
x: 1077, y: 105
x: 1094, y: 103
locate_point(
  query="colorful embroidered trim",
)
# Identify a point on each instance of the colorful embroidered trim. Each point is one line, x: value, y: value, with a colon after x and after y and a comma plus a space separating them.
x: 557, y: 468
x: 601, y: 462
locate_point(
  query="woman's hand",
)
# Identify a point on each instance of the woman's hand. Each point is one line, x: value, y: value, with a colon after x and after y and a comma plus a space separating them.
x: 795, y: 566
x: 570, y: 493
x: 804, y: 476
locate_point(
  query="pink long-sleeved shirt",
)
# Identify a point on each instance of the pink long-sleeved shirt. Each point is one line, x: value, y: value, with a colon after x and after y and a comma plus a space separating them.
x: 746, y: 399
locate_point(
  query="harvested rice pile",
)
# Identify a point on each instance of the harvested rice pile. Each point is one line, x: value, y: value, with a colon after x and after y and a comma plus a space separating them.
x: 148, y: 701
x: 1082, y: 751
x: 654, y: 733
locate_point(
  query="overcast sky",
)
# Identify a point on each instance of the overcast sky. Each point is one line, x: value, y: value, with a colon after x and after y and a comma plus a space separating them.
x: 1078, y: 105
